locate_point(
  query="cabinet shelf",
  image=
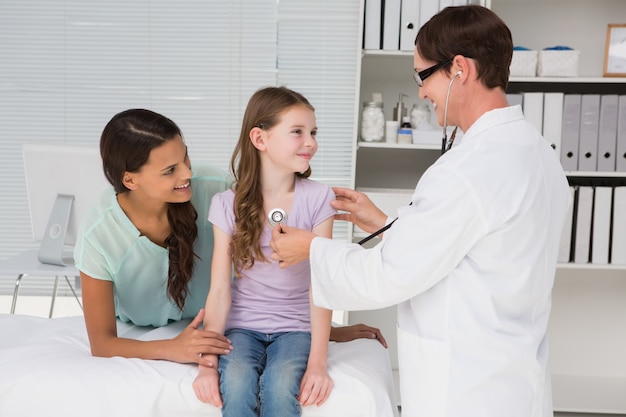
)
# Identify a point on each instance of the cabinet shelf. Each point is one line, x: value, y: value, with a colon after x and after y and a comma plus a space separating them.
x: 385, y: 145
x: 591, y: 267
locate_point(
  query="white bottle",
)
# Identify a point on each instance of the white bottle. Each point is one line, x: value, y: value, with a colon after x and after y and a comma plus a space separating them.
x: 372, y: 122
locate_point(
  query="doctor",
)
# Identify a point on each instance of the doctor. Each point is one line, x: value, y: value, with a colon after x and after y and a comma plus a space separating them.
x: 471, y: 261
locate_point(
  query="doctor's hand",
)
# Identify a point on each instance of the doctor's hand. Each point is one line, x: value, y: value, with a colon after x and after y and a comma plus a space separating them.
x: 290, y: 245
x: 358, y: 209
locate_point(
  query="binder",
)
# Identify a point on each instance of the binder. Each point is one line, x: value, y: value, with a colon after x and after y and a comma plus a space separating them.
x: 391, y: 25
x: 409, y: 24
x: 607, y: 132
x: 582, y: 234
x: 569, y: 131
x: 372, y: 25
x: 428, y: 8
x: 533, y: 109
x: 445, y: 3
x: 553, y: 119
x: 620, y: 155
x: 618, y: 243
x: 515, y: 99
x: 601, y: 225
x: 565, y: 247
x: 588, y: 140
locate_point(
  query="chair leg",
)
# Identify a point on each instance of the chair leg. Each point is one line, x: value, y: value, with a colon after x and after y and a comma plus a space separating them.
x: 67, y: 279
x: 16, y: 292
x: 54, y: 295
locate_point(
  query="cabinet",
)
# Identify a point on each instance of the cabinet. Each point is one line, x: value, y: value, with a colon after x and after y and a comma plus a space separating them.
x: 588, y: 323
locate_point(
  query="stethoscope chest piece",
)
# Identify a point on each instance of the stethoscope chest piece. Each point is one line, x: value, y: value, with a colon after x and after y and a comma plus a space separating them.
x: 277, y: 216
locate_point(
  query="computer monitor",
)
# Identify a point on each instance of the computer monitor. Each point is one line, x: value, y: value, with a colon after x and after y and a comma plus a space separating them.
x: 63, y: 183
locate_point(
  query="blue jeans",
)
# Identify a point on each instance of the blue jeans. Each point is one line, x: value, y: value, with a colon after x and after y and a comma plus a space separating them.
x: 261, y: 375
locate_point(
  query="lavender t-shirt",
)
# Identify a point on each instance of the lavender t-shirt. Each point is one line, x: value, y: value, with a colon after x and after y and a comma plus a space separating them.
x: 266, y: 298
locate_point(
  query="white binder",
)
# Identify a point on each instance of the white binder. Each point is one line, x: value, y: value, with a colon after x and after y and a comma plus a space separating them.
x: 620, y: 155
x: 588, y: 141
x: 409, y: 24
x: 607, y: 132
x: 565, y: 247
x: 583, y: 224
x: 601, y: 225
x: 618, y: 244
x: 553, y: 119
x: 428, y: 8
x: 569, y: 131
x: 533, y: 109
x: 372, y: 25
x: 391, y: 25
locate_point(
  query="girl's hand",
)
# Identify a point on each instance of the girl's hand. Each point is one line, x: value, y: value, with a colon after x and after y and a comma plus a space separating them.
x: 316, y: 386
x: 207, y: 386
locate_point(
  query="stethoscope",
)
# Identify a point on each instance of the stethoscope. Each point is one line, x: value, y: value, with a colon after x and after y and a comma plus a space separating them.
x: 445, y: 147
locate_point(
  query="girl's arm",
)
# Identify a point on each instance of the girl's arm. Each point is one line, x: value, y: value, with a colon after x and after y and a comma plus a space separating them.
x: 100, y: 320
x: 206, y: 384
x: 316, y: 384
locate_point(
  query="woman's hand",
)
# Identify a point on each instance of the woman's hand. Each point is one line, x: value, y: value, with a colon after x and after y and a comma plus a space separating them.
x: 356, y: 331
x: 192, y: 344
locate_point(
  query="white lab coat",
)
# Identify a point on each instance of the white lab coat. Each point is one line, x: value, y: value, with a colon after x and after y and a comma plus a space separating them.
x: 471, y: 264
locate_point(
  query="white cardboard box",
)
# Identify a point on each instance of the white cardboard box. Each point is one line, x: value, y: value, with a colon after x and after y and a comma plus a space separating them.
x: 523, y: 64
x: 553, y: 63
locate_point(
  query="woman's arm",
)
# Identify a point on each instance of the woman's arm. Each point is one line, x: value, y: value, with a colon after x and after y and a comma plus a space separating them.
x: 100, y: 320
x: 316, y: 384
x: 206, y: 384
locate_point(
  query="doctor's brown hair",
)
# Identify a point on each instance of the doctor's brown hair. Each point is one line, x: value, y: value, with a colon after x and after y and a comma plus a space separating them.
x: 125, y: 146
x: 474, y: 32
x: 264, y: 111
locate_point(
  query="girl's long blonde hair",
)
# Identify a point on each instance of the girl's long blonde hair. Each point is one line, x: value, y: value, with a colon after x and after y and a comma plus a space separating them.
x: 264, y: 110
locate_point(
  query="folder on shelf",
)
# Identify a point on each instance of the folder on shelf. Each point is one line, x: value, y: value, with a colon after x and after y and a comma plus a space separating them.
x: 409, y: 24
x: 601, y: 233
x: 391, y: 25
x: 372, y: 25
x: 515, y: 99
x: 620, y: 155
x: 618, y: 243
x: 584, y: 216
x: 588, y: 140
x: 607, y: 132
x: 445, y: 3
x: 553, y: 119
x: 428, y: 8
x: 565, y: 247
x: 569, y: 131
x: 533, y: 109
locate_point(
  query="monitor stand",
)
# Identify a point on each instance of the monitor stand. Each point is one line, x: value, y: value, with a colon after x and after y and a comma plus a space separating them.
x: 53, y: 241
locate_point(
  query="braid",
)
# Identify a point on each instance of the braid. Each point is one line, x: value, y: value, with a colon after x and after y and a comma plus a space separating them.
x: 182, y: 218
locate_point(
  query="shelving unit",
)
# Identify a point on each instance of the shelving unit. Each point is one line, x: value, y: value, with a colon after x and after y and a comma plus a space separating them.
x: 588, y: 323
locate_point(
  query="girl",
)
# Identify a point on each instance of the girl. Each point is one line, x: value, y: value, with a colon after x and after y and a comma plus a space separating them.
x: 280, y: 339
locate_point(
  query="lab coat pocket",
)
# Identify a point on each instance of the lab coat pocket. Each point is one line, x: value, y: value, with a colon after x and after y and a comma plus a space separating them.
x: 424, y: 366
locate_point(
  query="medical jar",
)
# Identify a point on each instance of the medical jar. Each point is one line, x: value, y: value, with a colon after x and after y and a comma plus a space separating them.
x: 372, y: 122
x: 420, y: 116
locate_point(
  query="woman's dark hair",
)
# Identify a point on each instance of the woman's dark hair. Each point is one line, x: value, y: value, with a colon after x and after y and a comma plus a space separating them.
x: 125, y: 146
x: 264, y: 110
x: 474, y: 32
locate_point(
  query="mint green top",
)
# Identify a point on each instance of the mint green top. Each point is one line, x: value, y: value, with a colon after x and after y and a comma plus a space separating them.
x: 110, y: 247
